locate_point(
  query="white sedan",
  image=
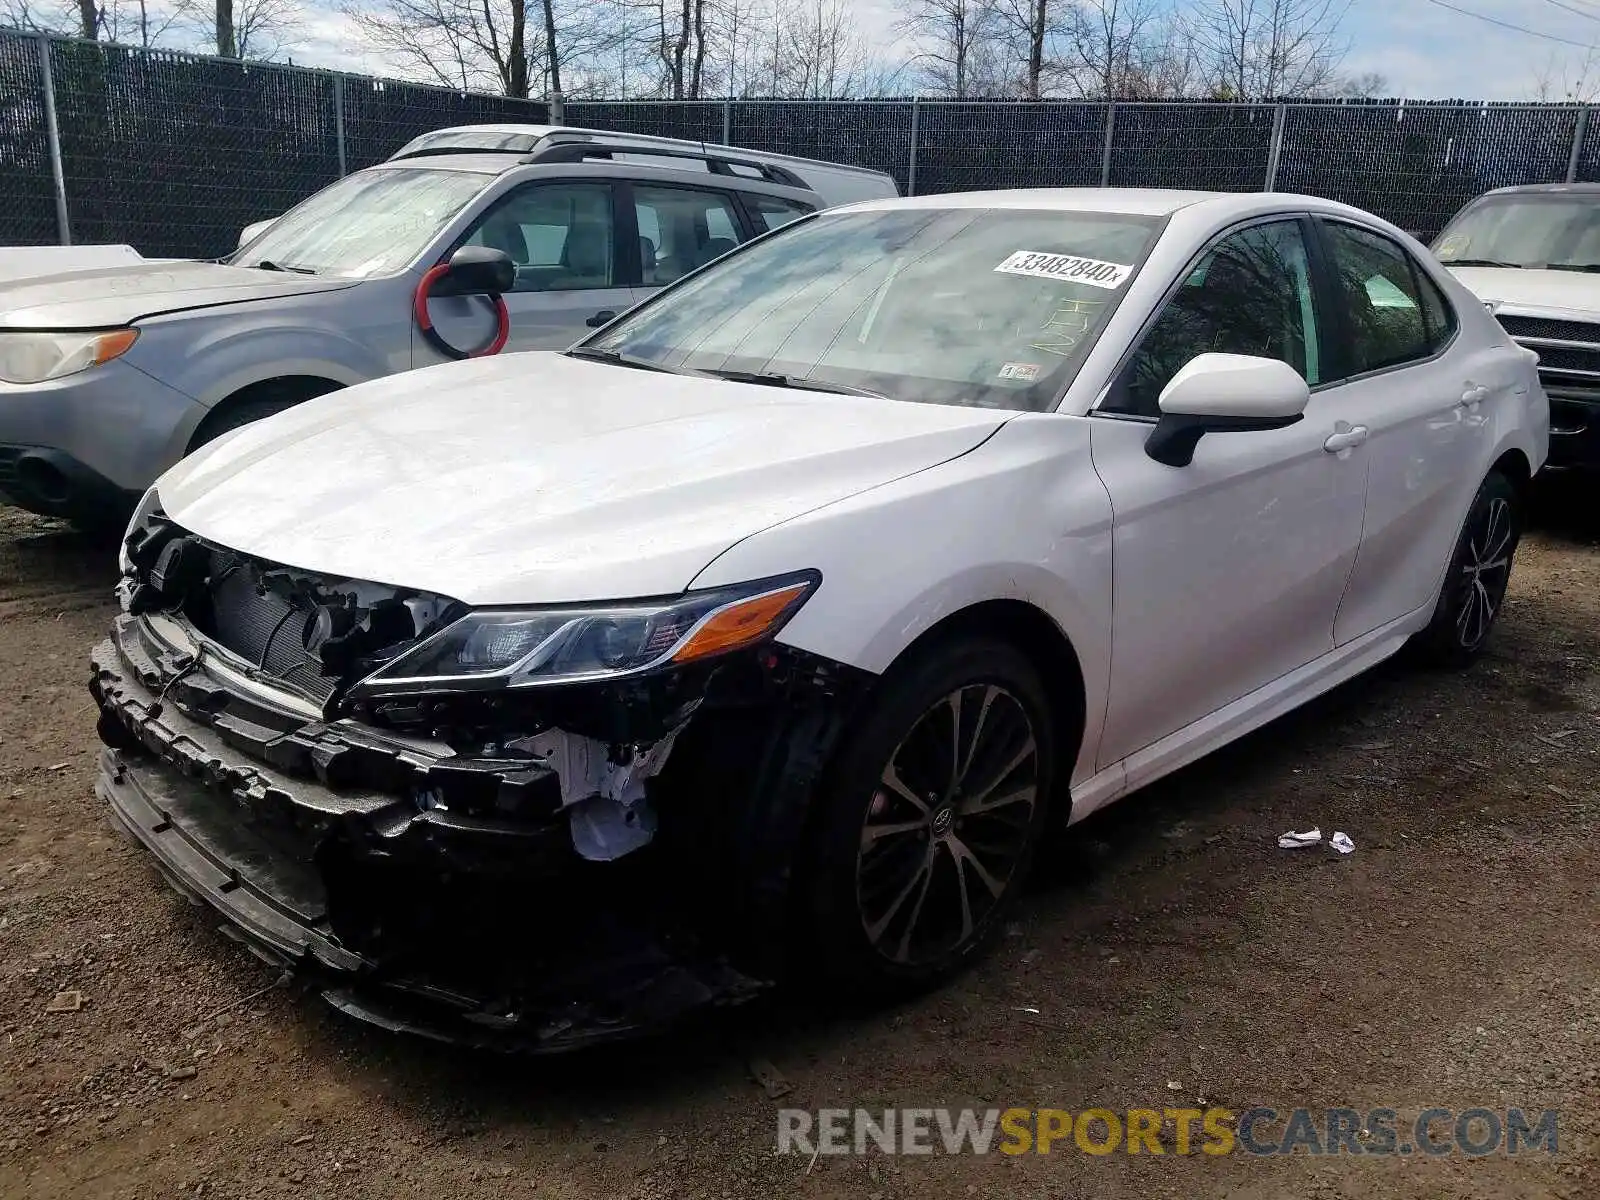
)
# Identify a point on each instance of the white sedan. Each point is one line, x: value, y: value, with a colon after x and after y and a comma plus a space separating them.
x: 819, y: 583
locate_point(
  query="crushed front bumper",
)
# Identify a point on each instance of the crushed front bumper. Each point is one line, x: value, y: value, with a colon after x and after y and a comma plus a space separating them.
x: 475, y: 929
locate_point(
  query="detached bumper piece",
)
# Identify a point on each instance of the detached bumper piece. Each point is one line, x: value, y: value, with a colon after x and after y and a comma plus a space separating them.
x: 426, y: 894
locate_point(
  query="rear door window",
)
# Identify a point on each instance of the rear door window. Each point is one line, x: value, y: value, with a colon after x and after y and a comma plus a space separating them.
x: 772, y: 213
x: 1384, y: 302
x: 682, y: 229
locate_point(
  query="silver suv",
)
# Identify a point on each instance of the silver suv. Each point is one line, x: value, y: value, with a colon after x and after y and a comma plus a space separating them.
x: 107, y: 377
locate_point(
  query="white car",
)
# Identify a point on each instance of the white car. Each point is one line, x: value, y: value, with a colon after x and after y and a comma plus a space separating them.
x: 789, y: 609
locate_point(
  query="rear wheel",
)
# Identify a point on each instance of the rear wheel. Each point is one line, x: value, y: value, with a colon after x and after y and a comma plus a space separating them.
x: 1475, y: 585
x: 932, y: 813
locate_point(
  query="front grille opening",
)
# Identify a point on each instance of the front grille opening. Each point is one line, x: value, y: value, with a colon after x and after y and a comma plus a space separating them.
x: 260, y: 625
x: 1551, y: 329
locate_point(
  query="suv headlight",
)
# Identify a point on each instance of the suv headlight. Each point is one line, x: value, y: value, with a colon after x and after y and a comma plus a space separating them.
x: 36, y: 357
x: 588, y: 643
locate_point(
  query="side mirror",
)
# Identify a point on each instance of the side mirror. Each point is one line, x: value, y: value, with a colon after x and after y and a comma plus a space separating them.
x: 477, y: 271
x: 251, y: 232
x: 1224, y: 393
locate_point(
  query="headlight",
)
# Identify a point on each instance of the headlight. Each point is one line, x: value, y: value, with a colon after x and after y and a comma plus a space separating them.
x: 36, y: 357
x: 536, y: 647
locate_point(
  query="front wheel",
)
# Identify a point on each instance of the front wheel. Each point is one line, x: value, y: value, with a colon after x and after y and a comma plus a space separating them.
x: 1480, y: 569
x: 930, y: 818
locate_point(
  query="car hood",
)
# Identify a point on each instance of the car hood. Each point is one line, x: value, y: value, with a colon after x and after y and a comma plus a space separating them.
x: 1574, y: 293
x: 99, y: 299
x: 536, y: 478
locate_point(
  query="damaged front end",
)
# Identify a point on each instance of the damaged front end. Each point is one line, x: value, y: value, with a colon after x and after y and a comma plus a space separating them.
x: 533, y: 828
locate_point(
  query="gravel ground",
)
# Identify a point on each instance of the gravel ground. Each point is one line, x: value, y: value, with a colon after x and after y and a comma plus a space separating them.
x: 1451, y: 960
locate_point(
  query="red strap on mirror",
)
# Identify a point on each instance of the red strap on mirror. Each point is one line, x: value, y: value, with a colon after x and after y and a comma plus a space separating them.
x: 419, y: 306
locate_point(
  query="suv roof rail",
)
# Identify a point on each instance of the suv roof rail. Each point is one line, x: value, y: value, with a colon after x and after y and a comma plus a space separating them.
x: 573, y: 146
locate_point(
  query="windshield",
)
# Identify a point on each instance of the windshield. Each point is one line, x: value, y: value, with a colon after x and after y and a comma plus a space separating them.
x: 1557, y: 231
x: 469, y: 139
x: 982, y: 307
x: 370, y: 223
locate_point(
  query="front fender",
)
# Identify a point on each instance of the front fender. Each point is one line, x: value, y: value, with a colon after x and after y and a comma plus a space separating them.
x: 210, y: 354
x: 1023, y: 517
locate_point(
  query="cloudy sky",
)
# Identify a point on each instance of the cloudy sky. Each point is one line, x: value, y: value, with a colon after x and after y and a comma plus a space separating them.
x: 1422, y: 48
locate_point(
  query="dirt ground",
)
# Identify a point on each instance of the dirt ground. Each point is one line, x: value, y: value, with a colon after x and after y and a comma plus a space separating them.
x: 1452, y: 960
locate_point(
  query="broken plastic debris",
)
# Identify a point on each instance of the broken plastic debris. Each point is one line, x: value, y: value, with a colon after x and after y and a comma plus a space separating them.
x: 610, y: 815
x: 604, y: 829
x: 770, y: 1078
x: 1298, y: 841
x: 1342, y: 843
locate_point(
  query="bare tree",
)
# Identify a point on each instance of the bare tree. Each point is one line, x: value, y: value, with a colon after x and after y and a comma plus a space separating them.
x: 1267, y: 49
x: 1367, y: 85
x: 821, y: 54
x: 239, y: 28
x: 1560, y: 80
x: 1111, y: 47
x: 43, y: 16
x: 956, y: 44
x: 144, y: 21
x: 1031, y: 31
x: 459, y: 43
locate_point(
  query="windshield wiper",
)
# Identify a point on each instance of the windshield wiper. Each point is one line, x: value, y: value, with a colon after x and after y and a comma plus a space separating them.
x: 266, y: 264
x: 1480, y: 262
x: 1591, y: 267
x: 620, y: 359
x: 766, y: 379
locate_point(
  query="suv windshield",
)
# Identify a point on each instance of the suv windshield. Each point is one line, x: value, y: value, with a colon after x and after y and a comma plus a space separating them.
x: 983, y: 307
x: 371, y: 223
x: 469, y: 139
x: 1553, y: 230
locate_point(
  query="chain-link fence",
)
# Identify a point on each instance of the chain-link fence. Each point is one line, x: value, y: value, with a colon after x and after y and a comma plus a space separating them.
x: 175, y: 153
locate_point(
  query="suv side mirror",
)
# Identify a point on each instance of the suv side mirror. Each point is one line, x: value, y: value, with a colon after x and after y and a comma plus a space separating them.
x: 477, y: 271
x: 250, y: 232
x: 1224, y: 393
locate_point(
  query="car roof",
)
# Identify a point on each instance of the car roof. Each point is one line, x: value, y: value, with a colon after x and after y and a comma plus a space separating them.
x: 1144, y: 202
x: 502, y: 164
x: 544, y: 131
x: 1547, y: 189
x: 1151, y: 202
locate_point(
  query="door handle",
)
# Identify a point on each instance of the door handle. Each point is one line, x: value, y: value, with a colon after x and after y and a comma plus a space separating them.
x: 1345, y: 439
x: 604, y: 317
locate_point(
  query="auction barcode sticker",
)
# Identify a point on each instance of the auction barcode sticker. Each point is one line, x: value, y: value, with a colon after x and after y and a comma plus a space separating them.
x: 1067, y: 267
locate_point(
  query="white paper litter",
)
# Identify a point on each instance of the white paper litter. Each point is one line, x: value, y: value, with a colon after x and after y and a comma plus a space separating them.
x: 1298, y: 841
x: 1342, y: 843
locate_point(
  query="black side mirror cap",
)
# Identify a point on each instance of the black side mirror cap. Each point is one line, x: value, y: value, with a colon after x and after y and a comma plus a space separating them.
x: 1175, y: 436
x: 478, y: 271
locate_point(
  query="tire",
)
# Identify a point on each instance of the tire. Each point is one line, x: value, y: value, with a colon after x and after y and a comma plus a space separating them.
x: 254, y: 404
x: 1475, y: 584
x: 889, y: 917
